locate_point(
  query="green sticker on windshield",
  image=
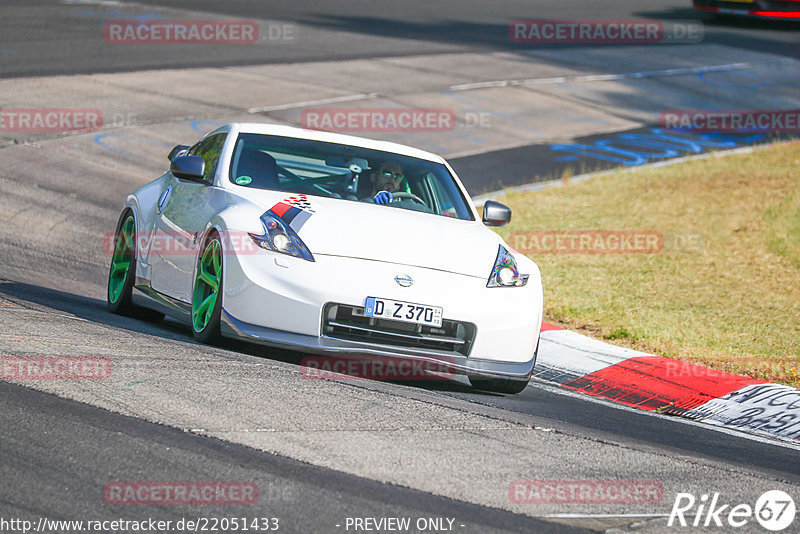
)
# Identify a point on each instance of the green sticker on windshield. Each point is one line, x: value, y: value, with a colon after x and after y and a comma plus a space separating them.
x: 243, y: 180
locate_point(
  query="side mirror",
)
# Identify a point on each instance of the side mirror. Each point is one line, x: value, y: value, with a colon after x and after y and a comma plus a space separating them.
x: 496, y: 214
x: 177, y: 151
x: 188, y: 168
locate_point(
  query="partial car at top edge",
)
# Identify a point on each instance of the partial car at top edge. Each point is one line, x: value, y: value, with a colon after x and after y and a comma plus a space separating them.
x: 765, y: 9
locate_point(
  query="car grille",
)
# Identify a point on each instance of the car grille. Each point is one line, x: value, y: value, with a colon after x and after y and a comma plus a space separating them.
x: 346, y: 322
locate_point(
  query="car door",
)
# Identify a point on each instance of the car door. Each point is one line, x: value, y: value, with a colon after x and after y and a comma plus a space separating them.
x: 184, y: 211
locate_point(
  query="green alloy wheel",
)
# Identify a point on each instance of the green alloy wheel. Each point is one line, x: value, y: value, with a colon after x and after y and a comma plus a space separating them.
x: 207, y: 294
x: 122, y: 273
x: 123, y: 266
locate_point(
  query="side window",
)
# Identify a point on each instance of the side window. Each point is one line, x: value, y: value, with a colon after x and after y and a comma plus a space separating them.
x: 443, y: 199
x: 210, y: 150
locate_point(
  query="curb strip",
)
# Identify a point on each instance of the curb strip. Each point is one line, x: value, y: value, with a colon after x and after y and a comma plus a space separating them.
x: 667, y: 386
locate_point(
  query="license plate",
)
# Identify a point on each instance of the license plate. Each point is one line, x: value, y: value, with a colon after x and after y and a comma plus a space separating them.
x: 408, y: 312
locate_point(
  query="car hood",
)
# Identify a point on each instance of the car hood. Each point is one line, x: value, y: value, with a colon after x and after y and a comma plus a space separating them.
x: 382, y: 233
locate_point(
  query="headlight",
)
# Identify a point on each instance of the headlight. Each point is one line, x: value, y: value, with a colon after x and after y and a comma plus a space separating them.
x: 504, y: 272
x: 279, y: 237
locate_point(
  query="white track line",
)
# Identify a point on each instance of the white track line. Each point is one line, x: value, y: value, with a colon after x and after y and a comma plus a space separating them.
x: 347, y: 98
x: 95, y: 2
x: 612, y: 77
x: 604, y: 516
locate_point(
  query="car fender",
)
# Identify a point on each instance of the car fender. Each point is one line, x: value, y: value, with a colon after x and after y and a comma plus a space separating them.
x: 132, y: 203
x: 232, y: 224
x: 142, y: 203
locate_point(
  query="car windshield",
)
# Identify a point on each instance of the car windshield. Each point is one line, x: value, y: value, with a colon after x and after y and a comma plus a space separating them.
x: 345, y: 172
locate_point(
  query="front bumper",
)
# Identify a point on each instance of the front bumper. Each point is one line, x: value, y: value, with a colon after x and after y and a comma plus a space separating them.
x: 322, y: 345
x: 281, y: 300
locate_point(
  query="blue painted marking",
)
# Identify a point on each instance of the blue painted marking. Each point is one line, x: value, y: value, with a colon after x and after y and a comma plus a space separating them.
x: 608, y: 153
x: 737, y: 87
x: 99, y: 140
x: 664, y: 153
x: 655, y: 141
x: 748, y: 139
x: 369, y: 307
x: 150, y: 15
x: 631, y: 149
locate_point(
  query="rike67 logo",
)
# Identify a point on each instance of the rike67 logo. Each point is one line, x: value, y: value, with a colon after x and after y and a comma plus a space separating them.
x: 774, y: 510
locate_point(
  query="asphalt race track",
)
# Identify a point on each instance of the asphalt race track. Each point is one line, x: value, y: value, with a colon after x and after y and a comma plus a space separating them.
x: 328, y: 31
x: 289, y: 490
x: 324, y: 451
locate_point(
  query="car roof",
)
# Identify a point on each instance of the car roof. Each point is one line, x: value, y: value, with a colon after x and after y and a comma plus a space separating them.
x: 330, y: 137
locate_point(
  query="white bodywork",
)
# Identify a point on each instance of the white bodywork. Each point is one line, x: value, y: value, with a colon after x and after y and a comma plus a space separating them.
x: 359, y: 248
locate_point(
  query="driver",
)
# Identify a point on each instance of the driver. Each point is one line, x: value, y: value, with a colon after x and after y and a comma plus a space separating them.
x: 386, y: 180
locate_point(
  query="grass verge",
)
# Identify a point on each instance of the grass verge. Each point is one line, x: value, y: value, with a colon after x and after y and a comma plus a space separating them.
x: 723, y: 288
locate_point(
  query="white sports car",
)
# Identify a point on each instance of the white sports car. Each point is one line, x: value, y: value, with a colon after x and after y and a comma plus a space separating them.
x: 331, y: 245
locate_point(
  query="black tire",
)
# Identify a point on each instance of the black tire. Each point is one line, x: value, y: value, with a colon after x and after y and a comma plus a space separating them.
x: 510, y: 386
x: 210, y: 334
x: 498, y: 385
x: 124, y: 305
